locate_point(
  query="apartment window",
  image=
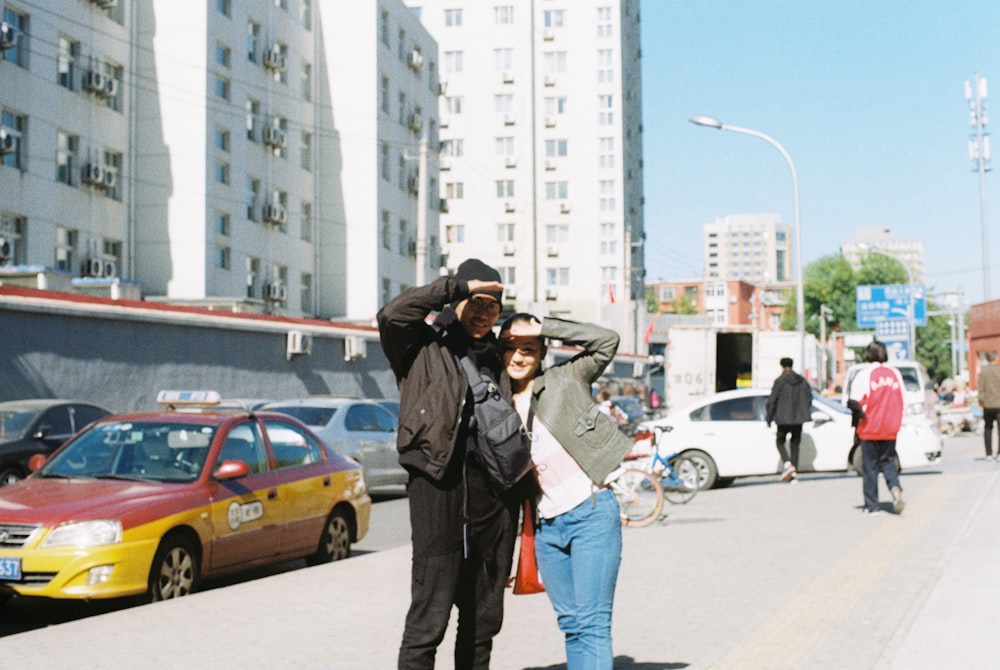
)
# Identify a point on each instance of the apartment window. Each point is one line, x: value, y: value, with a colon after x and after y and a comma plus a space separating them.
x: 604, y: 22
x: 557, y: 277
x: 386, y: 290
x: 605, y: 66
x: 222, y: 172
x: 505, y: 232
x: 223, y: 224
x: 402, y: 108
x: 452, y: 18
x: 557, y: 233
x: 253, y: 272
x: 453, y: 61
x: 556, y: 148
x: 384, y: 94
x: 554, y: 18
x: 306, y: 151
x: 401, y: 46
x: 452, y: 147
x: 253, y: 42
x: 606, y: 188
x: 279, y: 75
x: 111, y: 248
x: 505, y: 188
x: 223, y: 55
x: 224, y: 7
x: 503, y: 15
x: 605, y: 110
x: 384, y: 27
x: 66, y: 152
x: 503, y: 103
x: 554, y: 62
x: 280, y: 123
x: 116, y: 73
x: 222, y: 140
x: 454, y: 190
x: 505, y: 146
x: 609, y: 282
x: 384, y: 161
x: 401, y: 172
x: 253, y: 119
x: 306, y: 13
x: 606, y: 152
x: 503, y: 59
x: 222, y: 257
x: 221, y: 87
x: 455, y: 233
x: 453, y: 104
x: 386, y: 230
x: 403, y: 239
x: 17, y: 54
x: 281, y: 4
x: 114, y: 161
x: 15, y: 229
x: 17, y: 128
x: 253, y: 193
x: 305, y: 81
x: 609, y: 240
x: 66, y: 239
x: 556, y: 190
x: 306, y: 292
x: 305, y: 221
x: 555, y: 105
x: 69, y: 53
x: 507, y: 276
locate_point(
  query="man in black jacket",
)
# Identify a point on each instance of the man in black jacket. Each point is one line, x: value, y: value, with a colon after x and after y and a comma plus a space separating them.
x: 463, y: 528
x: 790, y: 406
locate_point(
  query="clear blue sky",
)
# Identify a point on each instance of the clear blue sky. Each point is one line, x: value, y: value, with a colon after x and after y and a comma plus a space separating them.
x: 867, y: 98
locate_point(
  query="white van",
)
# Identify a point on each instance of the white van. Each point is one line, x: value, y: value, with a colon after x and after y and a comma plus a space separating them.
x: 915, y: 383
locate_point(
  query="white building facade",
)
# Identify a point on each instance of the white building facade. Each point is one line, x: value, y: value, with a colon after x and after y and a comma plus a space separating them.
x: 908, y: 250
x: 540, y: 156
x: 755, y: 248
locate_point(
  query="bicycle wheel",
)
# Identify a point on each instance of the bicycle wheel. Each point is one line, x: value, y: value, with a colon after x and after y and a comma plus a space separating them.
x: 640, y: 497
x: 682, y: 483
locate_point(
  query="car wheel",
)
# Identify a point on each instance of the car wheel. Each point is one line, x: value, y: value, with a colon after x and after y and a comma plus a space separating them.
x: 10, y: 474
x: 335, y: 542
x: 175, y: 570
x: 707, y: 472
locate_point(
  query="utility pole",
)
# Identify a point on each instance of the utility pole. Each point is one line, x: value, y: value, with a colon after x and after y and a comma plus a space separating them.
x: 979, y: 153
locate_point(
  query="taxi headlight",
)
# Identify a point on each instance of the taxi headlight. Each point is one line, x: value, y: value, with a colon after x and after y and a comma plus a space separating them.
x: 85, y: 534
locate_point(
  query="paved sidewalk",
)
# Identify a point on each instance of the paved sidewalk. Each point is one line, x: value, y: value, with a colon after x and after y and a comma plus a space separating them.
x: 759, y: 575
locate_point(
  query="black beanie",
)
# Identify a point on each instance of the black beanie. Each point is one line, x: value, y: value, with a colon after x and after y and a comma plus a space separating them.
x: 474, y: 268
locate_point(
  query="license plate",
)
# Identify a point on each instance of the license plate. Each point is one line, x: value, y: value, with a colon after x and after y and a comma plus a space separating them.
x: 10, y: 569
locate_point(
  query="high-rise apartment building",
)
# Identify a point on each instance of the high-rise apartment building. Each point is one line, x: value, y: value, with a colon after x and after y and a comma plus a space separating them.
x: 909, y: 250
x: 755, y: 248
x: 540, y: 153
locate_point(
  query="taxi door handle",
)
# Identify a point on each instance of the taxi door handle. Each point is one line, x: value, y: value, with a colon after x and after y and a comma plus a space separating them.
x: 272, y: 494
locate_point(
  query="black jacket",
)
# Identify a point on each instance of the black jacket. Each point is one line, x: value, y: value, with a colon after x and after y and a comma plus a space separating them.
x: 790, y: 401
x: 432, y: 384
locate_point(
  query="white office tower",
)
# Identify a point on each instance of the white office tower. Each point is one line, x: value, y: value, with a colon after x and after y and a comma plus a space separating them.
x: 541, y: 150
x: 908, y: 250
x: 756, y: 248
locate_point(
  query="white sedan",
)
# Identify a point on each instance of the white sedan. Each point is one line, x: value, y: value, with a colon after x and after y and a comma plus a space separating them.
x: 726, y: 436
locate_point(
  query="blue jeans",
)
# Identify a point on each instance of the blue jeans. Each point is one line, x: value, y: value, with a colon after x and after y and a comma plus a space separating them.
x: 578, y: 555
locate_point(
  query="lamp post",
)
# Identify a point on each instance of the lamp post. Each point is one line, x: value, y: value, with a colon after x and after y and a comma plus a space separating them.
x: 800, y: 302
x: 910, y: 309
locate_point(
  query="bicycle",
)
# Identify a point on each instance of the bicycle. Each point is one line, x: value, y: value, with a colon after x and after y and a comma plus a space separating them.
x: 641, y: 490
x: 640, y: 497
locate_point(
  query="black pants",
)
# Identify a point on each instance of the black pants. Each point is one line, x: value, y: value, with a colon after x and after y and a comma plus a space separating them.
x: 443, y: 577
x: 990, y: 416
x: 795, y: 431
x: 877, y: 456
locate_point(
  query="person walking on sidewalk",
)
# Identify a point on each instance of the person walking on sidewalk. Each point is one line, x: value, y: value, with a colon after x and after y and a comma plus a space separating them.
x: 789, y: 406
x: 463, y: 529
x: 878, y: 390
x: 989, y: 400
x: 577, y: 450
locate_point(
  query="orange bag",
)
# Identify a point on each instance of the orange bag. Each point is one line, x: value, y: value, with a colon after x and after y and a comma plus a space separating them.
x: 526, y: 579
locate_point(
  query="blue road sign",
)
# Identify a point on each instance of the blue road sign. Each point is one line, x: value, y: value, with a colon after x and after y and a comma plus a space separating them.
x: 895, y: 334
x: 889, y: 301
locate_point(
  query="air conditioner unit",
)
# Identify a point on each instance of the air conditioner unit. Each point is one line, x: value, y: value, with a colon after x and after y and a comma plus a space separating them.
x: 297, y: 343
x: 276, y: 292
x: 508, y: 250
x: 110, y: 269
x: 8, y: 36
x: 444, y: 121
x: 105, y: 4
x: 7, y: 141
x: 274, y: 136
x: 564, y: 206
x: 508, y: 206
x: 92, y: 267
x: 510, y: 161
x: 550, y: 80
x: 510, y: 292
x: 550, y: 163
x: 552, y: 250
x: 94, y: 82
x: 444, y: 163
x: 6, y: 249
x: 275, y: 214
x: 551, y: 294
x: 355, y: 347
x: 274, y: 59
x: 110, y: 178
x: 443, y: 205
x: 508, y: 119
x: 416, y: 60
x: 548, y: 34
x: 93, y: 174
x: 110, y: 87
x: 508, y: 76
x: 416, y: 123
x: 550, y: 121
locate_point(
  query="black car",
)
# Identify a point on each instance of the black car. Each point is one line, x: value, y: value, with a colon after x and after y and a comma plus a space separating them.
x: 29, y: 427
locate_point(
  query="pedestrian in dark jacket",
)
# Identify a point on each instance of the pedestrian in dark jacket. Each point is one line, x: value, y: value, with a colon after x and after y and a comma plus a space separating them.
x: 789, y: 406
x: 463, y: 528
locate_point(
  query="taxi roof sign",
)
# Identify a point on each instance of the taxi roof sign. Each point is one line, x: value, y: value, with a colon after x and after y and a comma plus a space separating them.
x: 188, y: 398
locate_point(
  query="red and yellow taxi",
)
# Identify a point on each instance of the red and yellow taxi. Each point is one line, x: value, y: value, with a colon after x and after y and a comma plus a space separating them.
x: 150, y: 503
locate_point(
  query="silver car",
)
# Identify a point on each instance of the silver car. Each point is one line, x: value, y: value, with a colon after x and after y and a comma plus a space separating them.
x: 360, y: 429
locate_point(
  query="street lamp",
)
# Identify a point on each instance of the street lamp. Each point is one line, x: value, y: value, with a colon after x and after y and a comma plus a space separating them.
x: 911, y: 315
x: 800, y: 301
